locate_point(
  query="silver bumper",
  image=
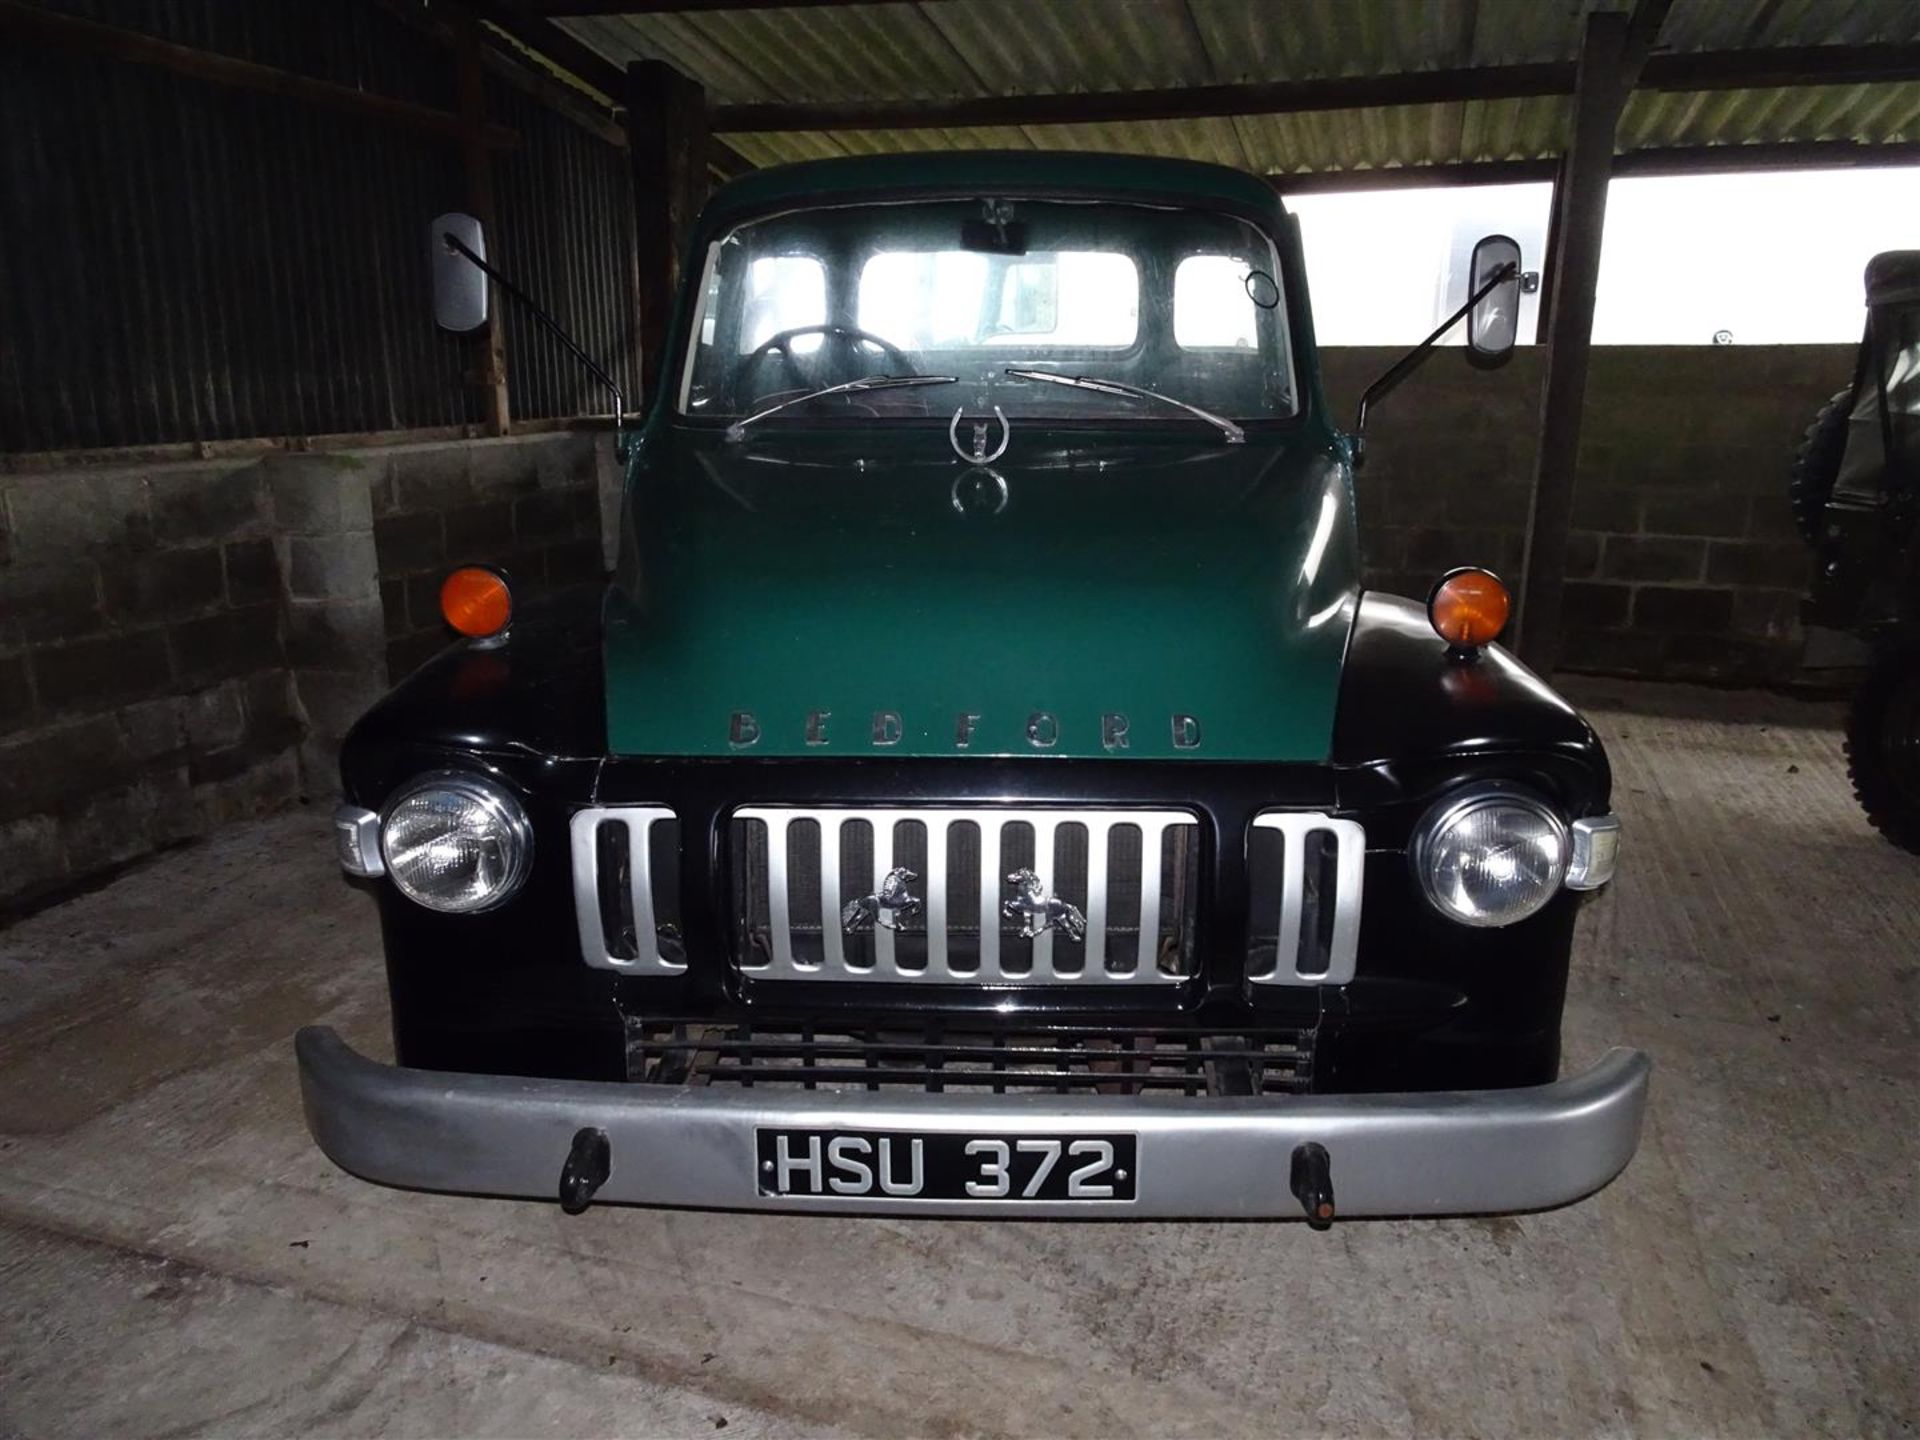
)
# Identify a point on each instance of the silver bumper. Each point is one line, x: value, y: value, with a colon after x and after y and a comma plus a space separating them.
x: 1438, y: 1153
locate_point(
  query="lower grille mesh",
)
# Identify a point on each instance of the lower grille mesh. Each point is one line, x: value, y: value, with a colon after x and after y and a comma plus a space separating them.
x: 1043, y: 1059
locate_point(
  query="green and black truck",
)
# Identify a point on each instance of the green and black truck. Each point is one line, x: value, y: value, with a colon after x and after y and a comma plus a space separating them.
x: 984, y: 785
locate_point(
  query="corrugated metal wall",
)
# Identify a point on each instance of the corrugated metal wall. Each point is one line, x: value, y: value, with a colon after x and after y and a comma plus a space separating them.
x: 565, y: 203
x: 185, y: 261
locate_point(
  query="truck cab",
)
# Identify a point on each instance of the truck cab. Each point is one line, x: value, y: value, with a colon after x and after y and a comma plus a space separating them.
x: 984, y: 784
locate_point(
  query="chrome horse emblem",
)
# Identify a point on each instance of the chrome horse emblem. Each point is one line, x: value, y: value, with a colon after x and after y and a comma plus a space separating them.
x: 886, y: 907
x: 980, y: 455
x: 1041, y: 911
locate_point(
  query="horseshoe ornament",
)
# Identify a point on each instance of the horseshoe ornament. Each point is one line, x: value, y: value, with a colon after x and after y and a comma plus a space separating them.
x: 978, y: 454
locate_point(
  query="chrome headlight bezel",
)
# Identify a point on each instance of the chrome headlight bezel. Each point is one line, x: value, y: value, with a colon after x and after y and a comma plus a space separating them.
x: 1449, y: 811
x: 508, y: 820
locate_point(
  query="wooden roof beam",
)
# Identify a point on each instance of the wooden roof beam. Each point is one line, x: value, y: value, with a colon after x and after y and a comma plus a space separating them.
x: 1190, y: 102
x: 586, y: 65
x: 1780, y: 68
x: 1700, y: 70
x: 1677, y: 160
x: 1781, y: 155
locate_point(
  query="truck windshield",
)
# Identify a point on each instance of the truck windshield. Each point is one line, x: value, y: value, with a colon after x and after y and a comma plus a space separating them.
x: 1185, y: 303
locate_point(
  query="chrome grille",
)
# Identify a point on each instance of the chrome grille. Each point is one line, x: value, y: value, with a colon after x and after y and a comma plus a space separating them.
x: 624, y: 898
x: 1306, y: 871
x: 1128, y: 877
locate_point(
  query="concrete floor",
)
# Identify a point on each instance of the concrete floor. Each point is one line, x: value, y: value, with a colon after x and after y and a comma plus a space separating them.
x: 176, y: 1258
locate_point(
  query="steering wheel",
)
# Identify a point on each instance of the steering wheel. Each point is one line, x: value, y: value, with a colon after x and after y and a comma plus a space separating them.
x: 839, y: 354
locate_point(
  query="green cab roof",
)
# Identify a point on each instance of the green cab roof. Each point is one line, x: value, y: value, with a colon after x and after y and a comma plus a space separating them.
x: 817, y: 182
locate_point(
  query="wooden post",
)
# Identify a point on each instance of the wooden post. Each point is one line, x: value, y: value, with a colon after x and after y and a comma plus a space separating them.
x: 1550, y: 256
x: 667, y: 141
x: 1574, y: 271
x: 489, y: 343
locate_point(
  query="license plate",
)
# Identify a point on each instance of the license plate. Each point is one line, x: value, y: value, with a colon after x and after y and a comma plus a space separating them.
x: 900, y: 1164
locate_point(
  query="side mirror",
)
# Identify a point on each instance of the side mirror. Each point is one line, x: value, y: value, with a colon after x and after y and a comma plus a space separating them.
x: 458, y: 252
x: 1493, y: 324
x: 459, y: 285
x: 1492, y: 311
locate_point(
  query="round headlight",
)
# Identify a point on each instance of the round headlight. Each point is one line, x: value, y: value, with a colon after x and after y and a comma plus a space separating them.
x: 456, y: 843
x: 1490, y: 857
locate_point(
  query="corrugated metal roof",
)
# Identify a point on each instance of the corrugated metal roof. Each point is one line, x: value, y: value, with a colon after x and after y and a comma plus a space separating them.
x: 955, y: 49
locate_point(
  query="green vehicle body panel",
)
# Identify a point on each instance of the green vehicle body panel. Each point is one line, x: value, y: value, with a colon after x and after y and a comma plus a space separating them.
x: 820, y: 579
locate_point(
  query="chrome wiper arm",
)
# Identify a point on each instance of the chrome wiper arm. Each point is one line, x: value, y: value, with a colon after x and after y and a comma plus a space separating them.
x: 738, y: 430
x: 1235, y: 435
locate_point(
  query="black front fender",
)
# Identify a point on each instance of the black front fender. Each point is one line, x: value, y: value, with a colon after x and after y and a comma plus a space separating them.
x: 1413, y: 715
x: 538, y: 696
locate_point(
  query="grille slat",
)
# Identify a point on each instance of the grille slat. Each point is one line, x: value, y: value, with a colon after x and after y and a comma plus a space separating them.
x: 1315, y: 919
x: 779, y: 925
x: 1097, y: 882
x: 937, y: 969
x: 1052, y: 1059
x: 831, y: 935
x: 989, y: 897
x: 977, y: 853
x: 883, y: 831
x: 1150, y: 835
x: 597, y: 892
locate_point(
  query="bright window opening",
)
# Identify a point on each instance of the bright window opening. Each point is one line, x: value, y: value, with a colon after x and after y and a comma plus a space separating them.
x: 1765, y: 258
x: 1386, y: 266
x: 1212, y: 306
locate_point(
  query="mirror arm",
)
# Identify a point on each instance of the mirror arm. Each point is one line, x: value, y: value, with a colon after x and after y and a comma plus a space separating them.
x: 459, y: 247
x: 1416, y: 357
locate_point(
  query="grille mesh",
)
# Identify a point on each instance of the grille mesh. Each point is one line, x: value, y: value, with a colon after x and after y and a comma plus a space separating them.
x: 1044, y: 1059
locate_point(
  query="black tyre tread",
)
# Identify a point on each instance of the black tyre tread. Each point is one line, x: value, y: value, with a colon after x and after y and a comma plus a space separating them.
x: 1816, y: 464
x: 1895, y: 814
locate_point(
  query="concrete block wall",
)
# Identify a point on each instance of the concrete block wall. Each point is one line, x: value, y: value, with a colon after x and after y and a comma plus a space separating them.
x: 145, y: 690
x: 185, y: 644
x: 336, y: 633
x: 1684, y: 563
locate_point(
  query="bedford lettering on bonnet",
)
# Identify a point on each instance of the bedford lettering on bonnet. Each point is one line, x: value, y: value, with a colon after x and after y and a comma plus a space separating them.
x: 1042, y: 730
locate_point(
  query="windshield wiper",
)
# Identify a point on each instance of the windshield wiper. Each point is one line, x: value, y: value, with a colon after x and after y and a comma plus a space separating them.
x: 738, y: 430
x: 1235, y: 435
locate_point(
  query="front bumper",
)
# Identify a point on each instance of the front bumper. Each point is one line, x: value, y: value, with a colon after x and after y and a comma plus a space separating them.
x: 1437, y: 1153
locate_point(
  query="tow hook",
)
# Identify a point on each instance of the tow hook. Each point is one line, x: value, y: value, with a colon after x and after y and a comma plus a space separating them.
x: 1312, y: 1182
x: 590, y: 1161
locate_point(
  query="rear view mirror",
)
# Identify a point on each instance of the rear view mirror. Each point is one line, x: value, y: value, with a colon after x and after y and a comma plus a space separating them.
x: 1493, y: 324
x: 459, y: 286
